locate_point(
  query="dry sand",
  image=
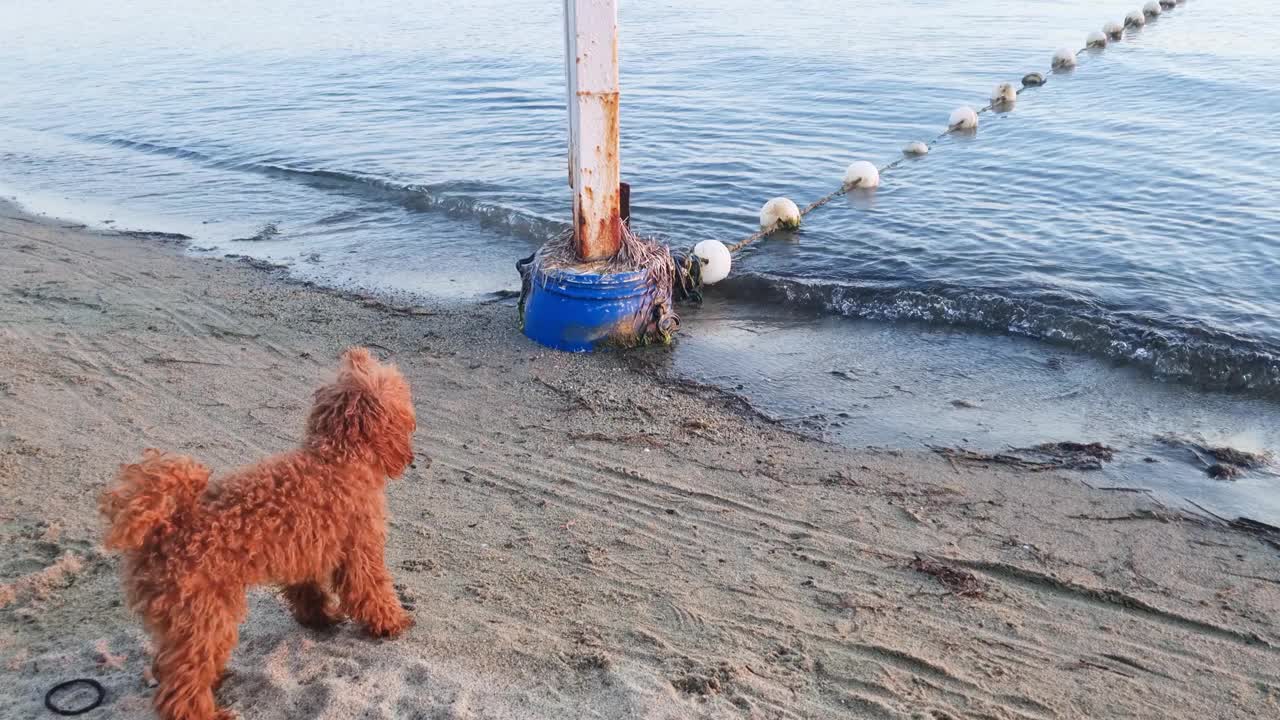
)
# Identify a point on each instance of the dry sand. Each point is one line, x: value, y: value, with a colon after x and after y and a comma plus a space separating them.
x: 590, y: 541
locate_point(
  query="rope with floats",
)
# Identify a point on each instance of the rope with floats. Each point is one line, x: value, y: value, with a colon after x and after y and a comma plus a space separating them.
x: 632, y: 295
x: 781, y: 214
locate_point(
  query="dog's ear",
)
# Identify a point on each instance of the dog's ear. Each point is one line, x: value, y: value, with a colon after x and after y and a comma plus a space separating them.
x: 395, y: 439
x: 358, y: 361
x: 366, y: 415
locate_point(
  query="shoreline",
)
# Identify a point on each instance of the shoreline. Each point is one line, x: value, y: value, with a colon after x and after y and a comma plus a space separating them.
x: 874, y: 384
x: 590, y: 540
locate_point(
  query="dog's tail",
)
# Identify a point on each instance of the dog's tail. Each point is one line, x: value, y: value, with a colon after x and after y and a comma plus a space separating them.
x: 149, y: 496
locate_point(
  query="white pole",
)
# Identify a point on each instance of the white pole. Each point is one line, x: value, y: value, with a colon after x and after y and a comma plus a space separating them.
x: 591, y: 60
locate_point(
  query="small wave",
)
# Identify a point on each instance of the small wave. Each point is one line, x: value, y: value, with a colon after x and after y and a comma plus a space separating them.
x: 442, y: 198
x: 151, y: 148
x: 1208, y: 358
x: 453, y: 199
x: 266, y: 232
x: 1185, y: 352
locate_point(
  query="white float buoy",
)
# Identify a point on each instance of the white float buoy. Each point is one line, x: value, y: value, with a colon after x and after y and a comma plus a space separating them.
x: 1114, y: 30
x: 1151, y: 9
x: 915, y: 148
x: 1096, y: 39
x: 779, y: 212
x: 1032, y: 80
x: 1004, y: 94
x: 1064, y: 58
x: 862, y: 175
x: 1135, y: 19
x: 963, y: 118
x: 716, y: 260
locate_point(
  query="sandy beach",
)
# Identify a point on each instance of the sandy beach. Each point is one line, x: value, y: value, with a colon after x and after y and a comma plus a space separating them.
x: 581, y: 537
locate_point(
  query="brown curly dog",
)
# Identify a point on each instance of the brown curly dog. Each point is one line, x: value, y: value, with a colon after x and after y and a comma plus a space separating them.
x: 312, y: 520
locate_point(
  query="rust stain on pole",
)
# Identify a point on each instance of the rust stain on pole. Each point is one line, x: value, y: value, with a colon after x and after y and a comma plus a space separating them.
x: 599, y: 214
x: 594, y: 125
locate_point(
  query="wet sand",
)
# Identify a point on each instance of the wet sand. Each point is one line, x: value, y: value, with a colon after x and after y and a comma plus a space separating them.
x: 587, y: 540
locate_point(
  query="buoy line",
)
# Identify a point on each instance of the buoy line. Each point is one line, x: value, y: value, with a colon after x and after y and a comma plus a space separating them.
x: 781, y: 213
x: 629, y: 299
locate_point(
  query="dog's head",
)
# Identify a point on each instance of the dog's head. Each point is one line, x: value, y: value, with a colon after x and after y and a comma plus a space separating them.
x: 366, y: 415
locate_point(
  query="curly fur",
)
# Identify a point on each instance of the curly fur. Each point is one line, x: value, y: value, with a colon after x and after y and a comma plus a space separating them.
x: 312, y: 520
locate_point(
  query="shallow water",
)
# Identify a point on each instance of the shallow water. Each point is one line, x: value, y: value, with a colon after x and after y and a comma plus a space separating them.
x: 868, y: 383
x: 1125, y: 211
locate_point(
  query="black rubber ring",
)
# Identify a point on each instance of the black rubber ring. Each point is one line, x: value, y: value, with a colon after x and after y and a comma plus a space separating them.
x: 48, y: 697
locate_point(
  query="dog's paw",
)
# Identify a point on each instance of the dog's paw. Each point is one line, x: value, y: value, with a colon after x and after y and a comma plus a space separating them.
x: 320, y: 619
x: 391, y: 628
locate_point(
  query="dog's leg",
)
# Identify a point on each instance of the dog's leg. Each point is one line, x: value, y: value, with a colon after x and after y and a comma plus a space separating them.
x: 190, y: 661
x: 312, y: 605
x: 364, y: 586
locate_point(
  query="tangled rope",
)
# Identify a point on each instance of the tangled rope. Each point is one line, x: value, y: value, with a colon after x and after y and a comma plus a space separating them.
x: 1095, y: 41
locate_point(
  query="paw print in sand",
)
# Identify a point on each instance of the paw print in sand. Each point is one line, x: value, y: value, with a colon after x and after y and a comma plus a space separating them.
x: 408, y: 598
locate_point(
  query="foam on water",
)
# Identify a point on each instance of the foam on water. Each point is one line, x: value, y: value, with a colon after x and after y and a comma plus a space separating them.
x: 1199, y: 356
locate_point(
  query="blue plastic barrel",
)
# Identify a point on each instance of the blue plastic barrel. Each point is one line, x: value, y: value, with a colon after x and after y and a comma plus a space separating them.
x: 580, y: 312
